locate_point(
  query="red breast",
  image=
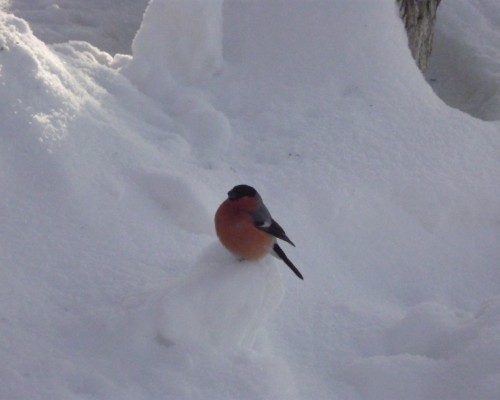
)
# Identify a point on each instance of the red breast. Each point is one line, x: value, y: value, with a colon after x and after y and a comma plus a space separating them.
x: 236, y: 230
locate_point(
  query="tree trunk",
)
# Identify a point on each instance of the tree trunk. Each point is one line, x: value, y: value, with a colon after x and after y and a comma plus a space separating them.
x: 419, y: 17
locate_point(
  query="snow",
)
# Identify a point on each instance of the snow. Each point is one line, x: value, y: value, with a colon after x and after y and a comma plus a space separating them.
x: 117, y: 149
x: 465, y: 70
x: 187, y: 49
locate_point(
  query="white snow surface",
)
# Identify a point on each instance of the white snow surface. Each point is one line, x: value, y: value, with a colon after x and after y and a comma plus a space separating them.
x: 116, y: 152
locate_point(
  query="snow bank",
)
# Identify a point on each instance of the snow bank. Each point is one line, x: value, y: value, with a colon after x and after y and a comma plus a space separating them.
x: 112, y: 284
x: 464, y: 68
x: 111, y: 29
x: 25, y: 57
x: 177, y: 48
x: 73, y: 166
x: 434, y: 352
x: 178, y: 41
x: 188, y: 47
x: 224, y: 304
x: 202, y: 335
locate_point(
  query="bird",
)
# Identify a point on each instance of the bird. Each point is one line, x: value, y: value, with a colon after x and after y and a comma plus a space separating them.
x: 246, y: 228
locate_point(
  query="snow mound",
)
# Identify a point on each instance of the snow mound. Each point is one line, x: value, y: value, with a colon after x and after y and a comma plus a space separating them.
x: 187, y: 49
x: 464, y: 69
x: 47, y: 96
x: 224, y: 303
x: 177, y: 48
x: 111, y: 168
x: 204, y: 333
x: 431, y: 347
x: 111, y: 29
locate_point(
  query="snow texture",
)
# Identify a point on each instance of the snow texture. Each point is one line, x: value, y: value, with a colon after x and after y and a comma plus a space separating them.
x: 123, y: 126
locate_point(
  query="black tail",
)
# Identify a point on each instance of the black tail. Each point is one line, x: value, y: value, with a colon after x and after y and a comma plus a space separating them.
x: 281, y: 254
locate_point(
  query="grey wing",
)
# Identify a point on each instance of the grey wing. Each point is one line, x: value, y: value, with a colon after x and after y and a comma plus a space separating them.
x: 264, y: 222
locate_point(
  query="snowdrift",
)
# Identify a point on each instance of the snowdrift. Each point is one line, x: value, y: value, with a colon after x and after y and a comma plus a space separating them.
x: 113, y: 285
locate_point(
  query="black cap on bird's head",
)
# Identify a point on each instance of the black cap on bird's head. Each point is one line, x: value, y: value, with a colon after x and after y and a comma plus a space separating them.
x: 241, y: 191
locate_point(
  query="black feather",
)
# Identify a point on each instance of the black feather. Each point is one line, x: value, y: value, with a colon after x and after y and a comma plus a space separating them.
x: 276, y: 230
x: 281, y: 254
x: 240, y: 191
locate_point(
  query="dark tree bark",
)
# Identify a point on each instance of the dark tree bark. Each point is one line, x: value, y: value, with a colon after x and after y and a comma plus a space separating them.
x: 419, y: 17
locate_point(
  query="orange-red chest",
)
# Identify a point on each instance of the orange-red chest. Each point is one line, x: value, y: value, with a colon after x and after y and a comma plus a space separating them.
x: 237, y: 232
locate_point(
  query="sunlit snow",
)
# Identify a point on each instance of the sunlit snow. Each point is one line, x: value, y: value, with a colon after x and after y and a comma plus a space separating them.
x: 121, y: 138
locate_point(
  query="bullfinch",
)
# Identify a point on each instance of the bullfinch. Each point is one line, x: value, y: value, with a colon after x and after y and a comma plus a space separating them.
x: 245, y: 227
